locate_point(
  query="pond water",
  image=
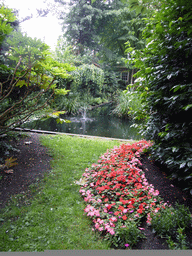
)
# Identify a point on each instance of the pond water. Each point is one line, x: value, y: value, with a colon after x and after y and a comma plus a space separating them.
x: 97, y: 122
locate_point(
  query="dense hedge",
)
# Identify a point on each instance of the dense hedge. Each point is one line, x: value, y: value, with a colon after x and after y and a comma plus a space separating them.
x: 166, y: 72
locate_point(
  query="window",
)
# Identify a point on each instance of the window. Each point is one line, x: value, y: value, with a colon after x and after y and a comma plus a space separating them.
x: 124, y: 76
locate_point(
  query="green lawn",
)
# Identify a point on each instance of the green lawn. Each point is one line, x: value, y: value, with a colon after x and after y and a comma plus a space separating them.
x: 53, y: 219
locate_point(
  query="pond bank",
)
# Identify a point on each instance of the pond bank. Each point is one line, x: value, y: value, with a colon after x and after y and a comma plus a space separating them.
x: 70, y: 134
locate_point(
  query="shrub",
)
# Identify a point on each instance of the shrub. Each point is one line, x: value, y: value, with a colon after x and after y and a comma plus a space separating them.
x: 129, y: 105
x: 171, y: 223
x: 165, y: 71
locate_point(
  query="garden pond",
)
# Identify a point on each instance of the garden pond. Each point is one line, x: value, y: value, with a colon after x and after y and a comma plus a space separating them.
x: 98, y: 121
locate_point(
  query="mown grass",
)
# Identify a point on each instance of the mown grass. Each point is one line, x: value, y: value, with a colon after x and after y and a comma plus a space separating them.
x: 53, y: 218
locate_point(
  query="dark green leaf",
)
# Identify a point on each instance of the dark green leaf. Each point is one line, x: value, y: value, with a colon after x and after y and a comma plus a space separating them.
x: 182, y: 165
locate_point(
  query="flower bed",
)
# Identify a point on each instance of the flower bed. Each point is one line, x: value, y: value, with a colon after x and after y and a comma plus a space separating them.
x: 118, y: 195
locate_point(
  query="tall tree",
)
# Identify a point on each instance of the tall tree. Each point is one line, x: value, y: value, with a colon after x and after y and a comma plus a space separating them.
x: 103, y: 27
x: 79, y: 24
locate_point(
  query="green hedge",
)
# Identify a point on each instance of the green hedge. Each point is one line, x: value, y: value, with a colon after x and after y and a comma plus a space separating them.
x: 165, y: 69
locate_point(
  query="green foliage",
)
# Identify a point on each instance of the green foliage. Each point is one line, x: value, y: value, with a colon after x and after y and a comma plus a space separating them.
x: 80, y: 24
x: 102, y: 27
x: 164, y: 69
x: 171, y: 223
x: 35, y: 54
x: 71, y: 103
x: 7, y: 18
x: 145, y: 6
x: 66, y: 53
x: 121, y: 26
x: 29, y: 77
x: 129, y: 105
x: 88, y: 78
x: 129, y: 235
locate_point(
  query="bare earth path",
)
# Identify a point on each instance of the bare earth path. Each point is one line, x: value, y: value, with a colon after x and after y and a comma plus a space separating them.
x: 33, y: 162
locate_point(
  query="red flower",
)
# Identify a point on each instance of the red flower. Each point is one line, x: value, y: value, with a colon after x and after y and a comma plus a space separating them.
x: 109, y: 207
x: 97, y: 183
x: 116, y: 213
x: 138, y: 185
x: 121, y: 208
x: 130, y: 206
x: 124, y: 217
x: 101, y: 188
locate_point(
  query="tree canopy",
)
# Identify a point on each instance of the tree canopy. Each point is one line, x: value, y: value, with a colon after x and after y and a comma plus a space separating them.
x: 103, y: 27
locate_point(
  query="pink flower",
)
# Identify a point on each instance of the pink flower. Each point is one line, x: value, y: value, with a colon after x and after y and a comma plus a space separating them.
x: 148, y: 222
x: 107, y: 226
x: 97, y: 213
x: 90, y: 214
x: 112, y: 224
x: 97, y: 225
x: 111, y: 231
x: 113, y: 219
x: 156, y: 193
x: 100, y: 229
x: 126, y: 245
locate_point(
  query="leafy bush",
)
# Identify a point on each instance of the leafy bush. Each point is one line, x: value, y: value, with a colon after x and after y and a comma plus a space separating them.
x: 165, y: 71
x: 71, y: 103
x: 126, y: 236
x: 171, y: 223
x: 129, y: 105
x: 111, y: 84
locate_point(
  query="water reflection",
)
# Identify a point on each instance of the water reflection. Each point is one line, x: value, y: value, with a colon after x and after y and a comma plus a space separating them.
x: 97, y: 122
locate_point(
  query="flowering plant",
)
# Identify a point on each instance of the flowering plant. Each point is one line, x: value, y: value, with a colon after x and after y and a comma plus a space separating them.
x: 118, y: 195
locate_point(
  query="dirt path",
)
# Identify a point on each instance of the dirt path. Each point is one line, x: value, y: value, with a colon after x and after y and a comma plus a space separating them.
x: 32, y: 160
